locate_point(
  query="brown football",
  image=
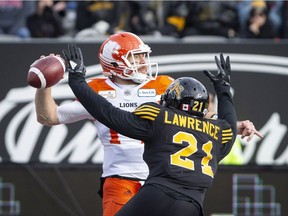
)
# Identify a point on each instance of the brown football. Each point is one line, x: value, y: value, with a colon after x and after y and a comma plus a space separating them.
x: 46, y: 72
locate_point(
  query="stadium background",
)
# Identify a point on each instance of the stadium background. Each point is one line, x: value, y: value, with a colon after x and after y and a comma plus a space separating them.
x: 55, y: 171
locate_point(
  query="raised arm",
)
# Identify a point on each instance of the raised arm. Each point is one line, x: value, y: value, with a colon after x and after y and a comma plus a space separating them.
x: 221, y: 83
x: 46, y: 107
x: 123, y: 122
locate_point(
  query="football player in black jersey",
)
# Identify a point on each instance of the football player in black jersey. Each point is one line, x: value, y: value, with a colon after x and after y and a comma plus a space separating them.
x: 182, y: 148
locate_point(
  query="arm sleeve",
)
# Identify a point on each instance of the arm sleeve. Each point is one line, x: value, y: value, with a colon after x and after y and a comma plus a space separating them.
x: 122, y: 121
x: 227, y: 113
x: 226, y: 109
x: 72, y: 112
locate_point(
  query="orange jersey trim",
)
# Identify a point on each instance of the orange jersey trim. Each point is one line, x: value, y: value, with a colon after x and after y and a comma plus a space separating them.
x: 160, y: 84
x: 99, y: 84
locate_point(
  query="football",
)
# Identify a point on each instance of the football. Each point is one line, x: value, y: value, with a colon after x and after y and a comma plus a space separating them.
x: 46, y: 72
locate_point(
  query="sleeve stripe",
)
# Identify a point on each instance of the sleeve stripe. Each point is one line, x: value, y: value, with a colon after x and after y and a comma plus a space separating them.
x: 228, y: 134
x: 148, y: 107
x: 227, y: 130
x: 147, y: 117
x: 147, y: 112
x: 143, y: 113
x: 226, y: 140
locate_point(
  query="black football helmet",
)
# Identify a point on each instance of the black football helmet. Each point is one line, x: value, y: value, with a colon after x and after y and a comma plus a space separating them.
x: 187, y: 94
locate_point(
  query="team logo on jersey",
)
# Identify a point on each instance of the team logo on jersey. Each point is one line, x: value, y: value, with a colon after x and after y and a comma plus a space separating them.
x: 127, y: 92
x: 147, y: 92
x: 125, y: 105
x: 108, y: 93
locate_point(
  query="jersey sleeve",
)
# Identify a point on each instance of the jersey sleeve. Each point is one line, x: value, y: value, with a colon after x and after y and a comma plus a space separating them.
x: 148, y: 111
x: 228, y: 138
x: 227, y: 114
x: 72, y: 112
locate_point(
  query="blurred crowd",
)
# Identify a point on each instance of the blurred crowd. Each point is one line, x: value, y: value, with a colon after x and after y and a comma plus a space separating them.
x: 179, y: 19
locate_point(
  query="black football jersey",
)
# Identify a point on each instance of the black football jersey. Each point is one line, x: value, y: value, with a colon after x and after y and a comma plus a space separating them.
x: 181, y: 151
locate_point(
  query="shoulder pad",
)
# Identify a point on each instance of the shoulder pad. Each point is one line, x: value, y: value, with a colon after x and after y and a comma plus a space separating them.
x: 99, y: 84
x: 161, y: 83
x: 148, y: 111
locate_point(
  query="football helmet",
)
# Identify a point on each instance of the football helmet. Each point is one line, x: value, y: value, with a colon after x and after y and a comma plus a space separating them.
x: 118, y: 57
x: 187, y: 94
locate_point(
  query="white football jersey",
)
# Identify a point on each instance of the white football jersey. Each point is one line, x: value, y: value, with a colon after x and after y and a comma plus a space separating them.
x: 122, y: 155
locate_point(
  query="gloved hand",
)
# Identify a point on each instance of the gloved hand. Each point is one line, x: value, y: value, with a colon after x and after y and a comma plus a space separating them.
x: 224, y: 71
x: 74, y: 59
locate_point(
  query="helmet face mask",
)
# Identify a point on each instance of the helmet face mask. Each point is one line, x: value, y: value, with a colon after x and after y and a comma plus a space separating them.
x: 187, y: 94
x: 118, y: 57
x: 139, y: 67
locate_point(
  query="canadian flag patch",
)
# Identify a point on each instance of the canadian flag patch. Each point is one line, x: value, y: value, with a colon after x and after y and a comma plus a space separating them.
x: 185, y: 107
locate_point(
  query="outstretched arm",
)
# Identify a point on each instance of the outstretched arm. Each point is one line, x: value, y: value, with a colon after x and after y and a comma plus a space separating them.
x: 221, y: 83
x: 123, y: 122
x: 247, y: 129
x: 244, y: 128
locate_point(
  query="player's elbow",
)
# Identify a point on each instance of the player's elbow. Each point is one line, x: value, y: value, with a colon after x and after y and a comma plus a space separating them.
x: 46, y: 120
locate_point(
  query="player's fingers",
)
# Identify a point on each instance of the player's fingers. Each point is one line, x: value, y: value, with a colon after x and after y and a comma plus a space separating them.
x: 219, y: 66
x: 250, y: 136
x: 228, y: 66
x: 71, y: 51
x: 75, y: 51
x: 222, y: 60
x: 259, y: 134
x: 79, y: 53
x: 246, y: 132
x: 66, y: 56
x: 209, y: 74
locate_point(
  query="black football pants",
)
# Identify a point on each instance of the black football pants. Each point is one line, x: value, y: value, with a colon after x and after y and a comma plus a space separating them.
x: 151, y: 201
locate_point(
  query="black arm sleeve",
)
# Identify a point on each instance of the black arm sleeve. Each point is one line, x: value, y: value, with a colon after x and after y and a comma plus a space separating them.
x: 124, y: 122
x: 226, y: 109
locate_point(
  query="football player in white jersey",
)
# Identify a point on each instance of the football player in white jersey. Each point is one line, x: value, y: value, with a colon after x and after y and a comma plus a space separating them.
x: 130, y: 79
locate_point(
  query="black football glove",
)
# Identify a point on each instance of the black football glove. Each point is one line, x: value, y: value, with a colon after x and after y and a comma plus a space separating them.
x: 224, y: 71
x: 74, y: 59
